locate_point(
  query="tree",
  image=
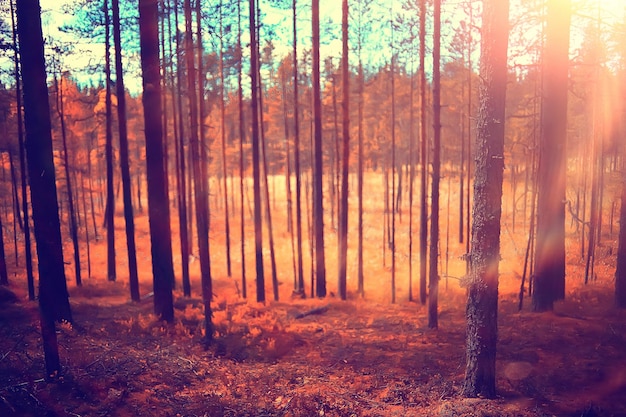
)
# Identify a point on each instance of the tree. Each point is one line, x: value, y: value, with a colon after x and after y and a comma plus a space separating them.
x: 345, y: 107
x: 124, y: 163
x: 482, y: 302
x: 549, y: 281
x: 200, y: 186
x: 256, y: 172
x: 296, y: 146
x: 53, y: 297
x: 423, y: 155
x: 109, y: 216
x: 223, y: 138
x: 318, y: 205
x: 433, y: 277
x: 242, y: 134
x: 4, y: 276
x: 620, y: 271
x: 68, y: 179
x: 158, y: 208
x: 22, y: 152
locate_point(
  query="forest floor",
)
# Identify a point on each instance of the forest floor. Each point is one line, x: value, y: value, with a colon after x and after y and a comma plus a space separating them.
x: 361, y: 357
x: 355, y: 358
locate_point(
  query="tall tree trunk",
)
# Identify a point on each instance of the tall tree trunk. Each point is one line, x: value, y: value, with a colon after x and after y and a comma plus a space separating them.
x: 181, y: 178
x: 392, y: 232
x: 4, y: 276
x: 482, y: 302
x: 68, y: 181
x: 22, y: 152
x: 87, y: 236
x: 53, y: 297
x: 158, y: 204
x: 345, y: 158
x: 620, y: 271
x: 318, y: 211
x: 109, y: 216
x: 223, y: 136
x: 433, y: 276
x: 200, y: 186
x: 256, y: 171
x: 423, y: 156
x: 296, y: 146
x: 124, y: 162
x: 550, y: 246
x: 242, y: 135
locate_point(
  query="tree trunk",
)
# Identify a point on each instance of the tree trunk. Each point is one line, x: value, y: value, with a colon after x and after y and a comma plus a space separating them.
x: 200, y: 186
x: 181, y: 177
x: 53, y: 297
x: 109, y: 216
x: 158, y: 204
x: 242, y: 135
x: 124, y: 162
x: 423, y: 156
x: 22, y: 152
x: 4, y: 276
x: 345, y: 158
x: 433, y: 276
x: 549, y: 283
x: 482, y: 303
x: 296, y: 146
x: 256, y: 171
x: 318, y: 211
x: 68, y: 181
x: 223, y: 136
x: 620, y: 271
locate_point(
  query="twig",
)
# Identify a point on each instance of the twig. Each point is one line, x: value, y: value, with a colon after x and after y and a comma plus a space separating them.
x: 23, y: 384
x: 6, y: 403
x: 13, y: 348
x: 317, y: 310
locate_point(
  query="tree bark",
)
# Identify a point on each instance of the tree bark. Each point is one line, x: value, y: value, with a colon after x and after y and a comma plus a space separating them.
x: 158, y: 204
x: 22, y: 152
x: 256, y: 172
x: 109, y: 216
x: 482, y: 303
x: 124, y: 162
x: 53, y: 297
x: 433, y: 276
x: 318, y: 211
x: 549, y: 282
x: 200, y: 186
x: 345, y: 125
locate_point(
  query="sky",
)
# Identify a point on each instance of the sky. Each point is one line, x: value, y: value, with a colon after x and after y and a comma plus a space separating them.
x: 608, y: 10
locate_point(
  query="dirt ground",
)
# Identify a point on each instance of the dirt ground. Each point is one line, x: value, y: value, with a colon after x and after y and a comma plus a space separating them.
x: 355, y: 358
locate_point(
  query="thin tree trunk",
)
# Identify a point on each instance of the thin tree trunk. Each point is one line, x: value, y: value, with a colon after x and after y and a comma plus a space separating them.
x: 181, y: 177
x: 68, y: 182
x: 109, y: 216
x: 242, y: 135
x: 124, y: 160
x: 296, y: 145
x: 423, y: 156
x: 22, y: 152
x: 345, y: 124
x: 256, y: 171
x: 620, y: 271
x: 433, y: 277
x: 200, y: 187
x: 223, y: 136
x: 320, y: 267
